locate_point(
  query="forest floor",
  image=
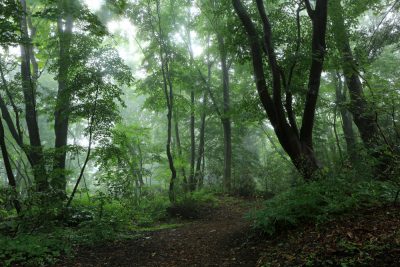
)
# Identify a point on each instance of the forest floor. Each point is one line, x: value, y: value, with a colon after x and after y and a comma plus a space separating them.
x: 370, y: 237
x: 222, y: 237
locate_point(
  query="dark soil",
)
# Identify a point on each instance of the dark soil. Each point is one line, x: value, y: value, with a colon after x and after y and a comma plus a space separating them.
x: 368, y: 237
x: 222, y: 238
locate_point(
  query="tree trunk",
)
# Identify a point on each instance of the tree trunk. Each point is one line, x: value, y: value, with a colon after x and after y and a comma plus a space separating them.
x: 298, y: 145
x: 36, y: 150
x: 192, y: 178
x: 140, y: 165
x: 347, y: 122
x: 226, y: 121
x: 9, y: 172
x: 364, y: 118
x: 198, y: 172
x: 63, y: 102
x: 180, y: 154
x: 169, y: 97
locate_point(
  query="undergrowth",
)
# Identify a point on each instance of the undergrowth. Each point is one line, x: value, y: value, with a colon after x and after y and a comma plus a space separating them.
x: 319, y: 201
x: 38, y: 239
x: 193, y: 205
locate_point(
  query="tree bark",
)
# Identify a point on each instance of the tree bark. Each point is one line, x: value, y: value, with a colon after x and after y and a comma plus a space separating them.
x: 347, y: 121
x: 299, y: 146
x: 9, y: 172
x: 199, y: 173
x: 169, y: 97
x: 363, y: 116
x: 141, y: 169
x: 63, y: 102
x: 36, y: 149
x: 192, y: 178
x: 200, y: 153
x: 180, y: 154
x: 225, y: 119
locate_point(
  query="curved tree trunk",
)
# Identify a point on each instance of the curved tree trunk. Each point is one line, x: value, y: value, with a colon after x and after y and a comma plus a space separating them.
x: 298, y: 145
x: 169, y: 97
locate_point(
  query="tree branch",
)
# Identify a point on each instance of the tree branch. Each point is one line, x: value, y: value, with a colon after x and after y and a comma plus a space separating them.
x: 276, y: 77
x: 256, y: 54
x: 310, y: 11
x: 314, y: 80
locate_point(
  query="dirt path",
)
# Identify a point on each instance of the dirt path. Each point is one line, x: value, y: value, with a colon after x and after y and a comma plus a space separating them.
x: 221, y: 239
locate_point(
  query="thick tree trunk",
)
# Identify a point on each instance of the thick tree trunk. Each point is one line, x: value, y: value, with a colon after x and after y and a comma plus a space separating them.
x: 36, y: 150
x: 298, y: 145
x: 63, y: 102
x: 226, y: 121
x: 364, y: 118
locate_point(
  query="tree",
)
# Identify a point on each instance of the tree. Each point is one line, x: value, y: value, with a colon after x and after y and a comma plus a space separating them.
x: 65, y: 23
x: 298, y: 144
x: 363, y: 116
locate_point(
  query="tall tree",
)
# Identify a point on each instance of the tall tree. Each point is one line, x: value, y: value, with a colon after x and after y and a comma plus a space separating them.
x: 298, y: 144
x: 364, y: 116
x: 169, y: 97
x: 36, y: 150
x: 226, y: 121
x: 63, y: 102
x: 347, y: 119
x: 9, y: 171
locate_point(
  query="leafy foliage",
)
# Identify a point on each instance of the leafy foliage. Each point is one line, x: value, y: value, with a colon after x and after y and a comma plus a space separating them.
x: 320, y: 201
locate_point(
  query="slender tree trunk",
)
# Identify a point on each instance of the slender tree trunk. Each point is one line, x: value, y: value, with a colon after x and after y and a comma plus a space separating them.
x: 226, y: 121
x: 169, y: 97
x: 36, y: 150
x: 9, y: 172
x: 63, y: 102
x: 198, y: 173
x: 92, y: 124
x: 140, y: 165
x: 172, y: 196
x: 180, y: 154
x: 192, y: 178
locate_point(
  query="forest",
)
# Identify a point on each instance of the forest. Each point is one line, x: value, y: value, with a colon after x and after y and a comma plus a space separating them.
x: 199, y: 133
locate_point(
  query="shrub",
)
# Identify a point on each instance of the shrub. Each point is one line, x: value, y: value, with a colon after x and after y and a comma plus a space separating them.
x: 150, y: 210
x: 31, y: 250
x: 244, y: 186
x: 193, y: 205
x: 319, y: 201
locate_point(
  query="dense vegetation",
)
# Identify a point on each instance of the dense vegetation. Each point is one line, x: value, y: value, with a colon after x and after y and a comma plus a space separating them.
x: 119, y: 117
